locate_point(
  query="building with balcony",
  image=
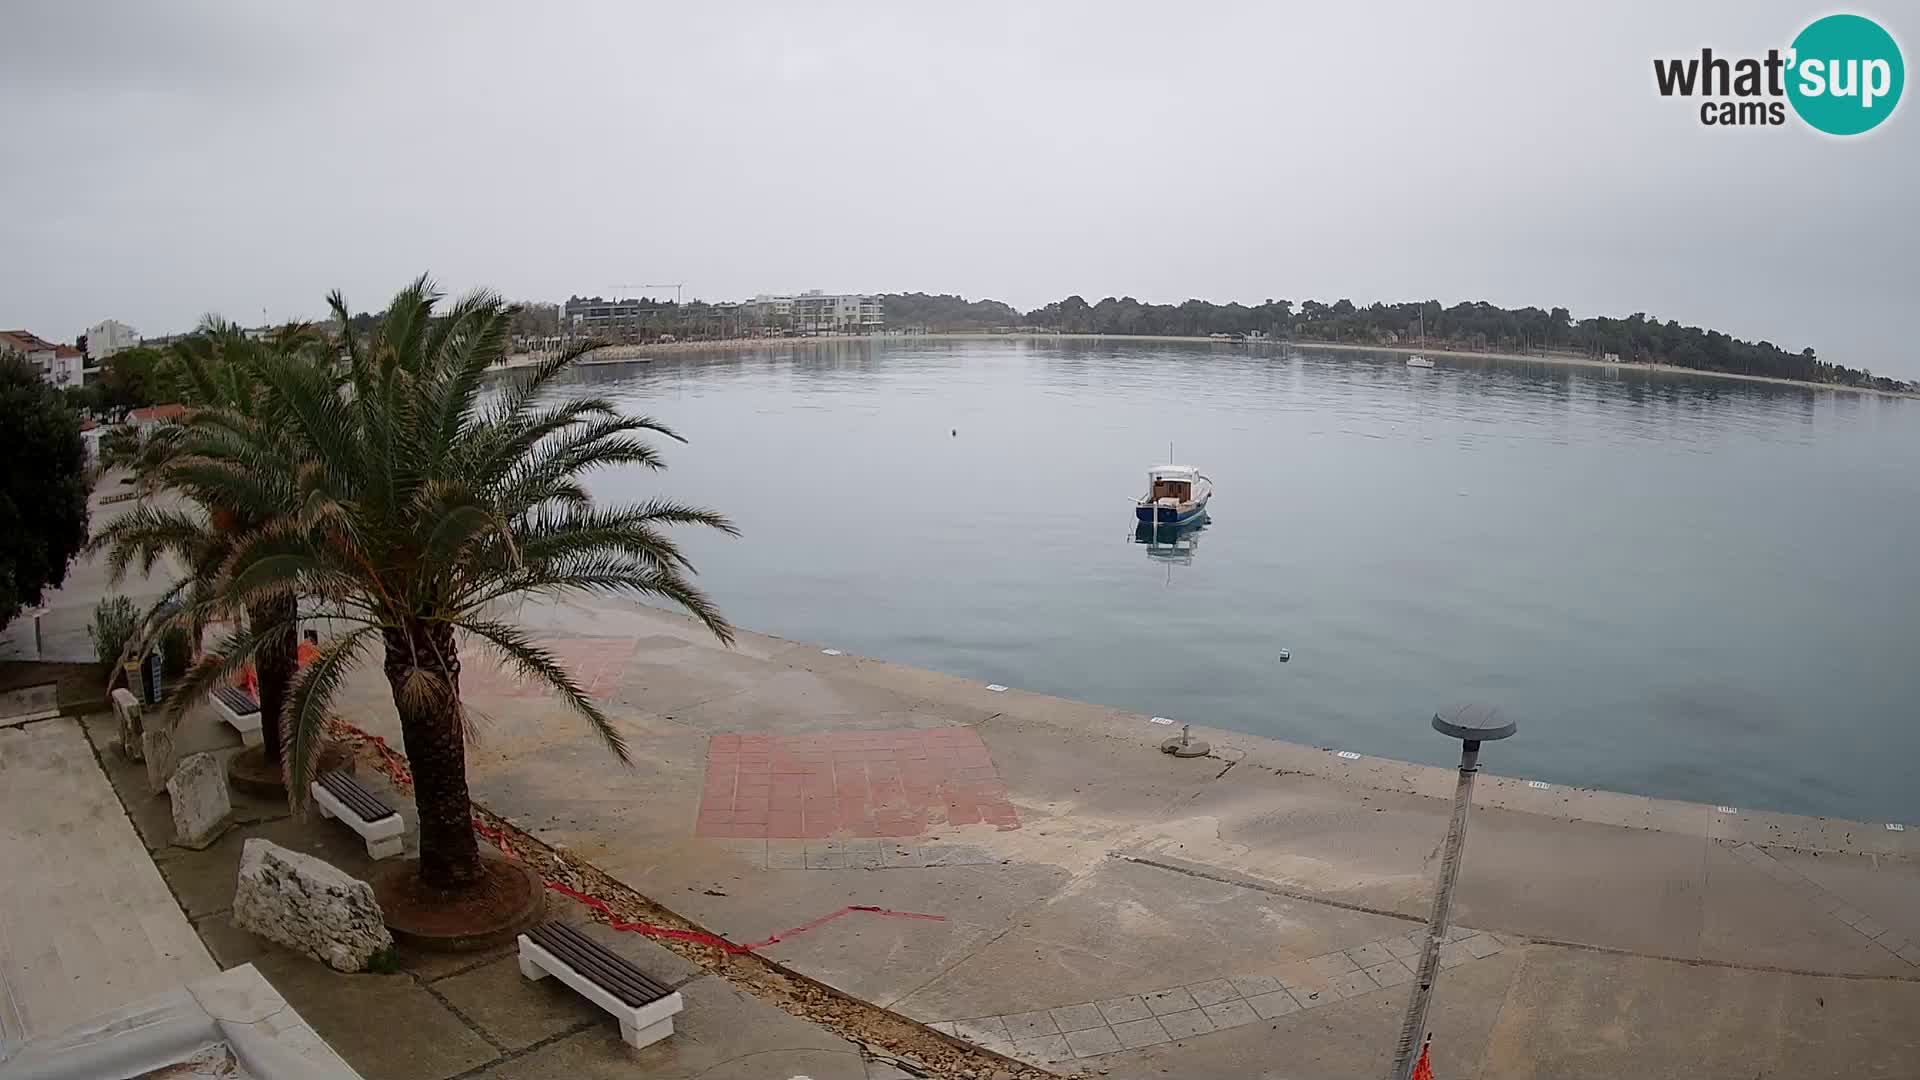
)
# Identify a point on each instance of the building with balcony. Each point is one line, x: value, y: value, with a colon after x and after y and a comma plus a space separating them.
x: 818, y: 312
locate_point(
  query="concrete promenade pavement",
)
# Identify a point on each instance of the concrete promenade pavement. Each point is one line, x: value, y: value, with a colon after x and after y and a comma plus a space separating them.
x: 1244, y: 914
x: 99, y: 909
x: 469, y: 1015
x: 86, y: 923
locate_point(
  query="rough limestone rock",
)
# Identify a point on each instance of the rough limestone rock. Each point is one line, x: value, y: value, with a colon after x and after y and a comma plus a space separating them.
x: 309, y: 905
x: 200, y: 801
x: 156, y: 749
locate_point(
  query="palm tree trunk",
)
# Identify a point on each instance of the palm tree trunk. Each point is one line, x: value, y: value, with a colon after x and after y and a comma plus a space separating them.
x: 423, y: 667
x: 273, y: 661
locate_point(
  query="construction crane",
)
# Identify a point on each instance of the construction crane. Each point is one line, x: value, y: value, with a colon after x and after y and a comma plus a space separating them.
x: 676, y: 286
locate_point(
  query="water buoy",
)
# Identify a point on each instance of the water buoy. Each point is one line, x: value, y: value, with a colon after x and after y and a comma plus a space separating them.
x: 956, y: 433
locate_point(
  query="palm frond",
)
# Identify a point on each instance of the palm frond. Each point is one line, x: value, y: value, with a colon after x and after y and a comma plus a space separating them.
x: 303, y: 725
x: 220, y: 664
x: 533, y: 661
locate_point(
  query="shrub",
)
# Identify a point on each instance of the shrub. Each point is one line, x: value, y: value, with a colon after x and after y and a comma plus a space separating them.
x: 114, y: 623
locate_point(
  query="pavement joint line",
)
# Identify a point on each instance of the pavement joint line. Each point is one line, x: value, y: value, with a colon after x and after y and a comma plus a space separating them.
x: 1698, y: 961
x: 534, y: 1047
x: 31, y: 720
x: 485, y: 1035
x: 466, y: 970
x: 1262, y: 886
x: 1197, y: 1008
x: 1882, y: 937
x: 1013, y: 921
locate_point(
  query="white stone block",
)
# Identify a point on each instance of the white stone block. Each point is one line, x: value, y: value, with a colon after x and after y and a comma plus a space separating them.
x: 126, y: 709
x: 639, y: 1027
x: 308, y: 905
x: 201, y: 804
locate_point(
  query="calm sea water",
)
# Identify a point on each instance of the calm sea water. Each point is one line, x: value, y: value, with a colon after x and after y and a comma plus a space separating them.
x: 1682, y: 587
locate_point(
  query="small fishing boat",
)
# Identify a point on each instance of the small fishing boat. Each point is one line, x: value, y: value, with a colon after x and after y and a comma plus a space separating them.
x: 1176, y: 494
x: 1419, y: 361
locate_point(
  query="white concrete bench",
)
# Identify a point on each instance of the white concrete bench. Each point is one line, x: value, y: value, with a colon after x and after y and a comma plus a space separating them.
x: 644, y: 1007
x: 241, y: 712
x: 340, y: 797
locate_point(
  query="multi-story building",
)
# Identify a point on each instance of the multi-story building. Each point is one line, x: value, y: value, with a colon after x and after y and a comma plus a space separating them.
x: 108, y: 337
x: 69, y: 367
x: 37, y: 350
x: 610, y: 319
x: 59, y: 365
x: 816, y: 312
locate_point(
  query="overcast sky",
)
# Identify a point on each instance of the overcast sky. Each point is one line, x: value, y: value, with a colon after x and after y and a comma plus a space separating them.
x: 165, y: 160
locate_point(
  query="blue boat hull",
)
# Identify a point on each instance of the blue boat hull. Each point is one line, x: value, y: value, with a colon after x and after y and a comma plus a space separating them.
x: 1168, y: 515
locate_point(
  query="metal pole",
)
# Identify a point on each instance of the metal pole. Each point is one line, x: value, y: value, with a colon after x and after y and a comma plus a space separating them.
x: 1414, y: 1028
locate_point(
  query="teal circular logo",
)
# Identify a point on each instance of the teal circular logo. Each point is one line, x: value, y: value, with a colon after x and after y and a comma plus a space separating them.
x: 1846, y: 74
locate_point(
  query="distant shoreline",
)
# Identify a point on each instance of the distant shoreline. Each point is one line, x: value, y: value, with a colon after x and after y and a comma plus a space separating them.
x: 680, y: 350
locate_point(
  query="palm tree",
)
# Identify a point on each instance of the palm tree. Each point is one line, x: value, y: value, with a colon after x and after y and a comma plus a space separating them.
x: 227, y: 498
x: 426, y: 504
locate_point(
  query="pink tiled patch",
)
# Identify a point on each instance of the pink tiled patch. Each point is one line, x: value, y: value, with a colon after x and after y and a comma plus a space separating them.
x: 597, y: 663
x: 854, y: 783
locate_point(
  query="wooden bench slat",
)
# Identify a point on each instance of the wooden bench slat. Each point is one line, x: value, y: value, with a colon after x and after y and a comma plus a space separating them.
x: 595, y: 961
x: 237, y: 700
x: 603, y: 966
x: 630, y: 994
x: 356, y: 796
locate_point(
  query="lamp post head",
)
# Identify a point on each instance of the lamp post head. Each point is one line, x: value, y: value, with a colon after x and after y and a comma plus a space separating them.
x: 1473, y: 724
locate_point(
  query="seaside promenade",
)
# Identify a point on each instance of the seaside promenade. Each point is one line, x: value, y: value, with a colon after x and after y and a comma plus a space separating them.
x: 1251, y: 913
x: 1096, y: 905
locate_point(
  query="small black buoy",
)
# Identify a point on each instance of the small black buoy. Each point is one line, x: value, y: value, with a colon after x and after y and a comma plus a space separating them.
x: 956, y: 433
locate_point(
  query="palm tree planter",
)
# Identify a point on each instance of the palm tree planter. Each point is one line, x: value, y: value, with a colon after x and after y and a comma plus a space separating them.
x: 424, y: 505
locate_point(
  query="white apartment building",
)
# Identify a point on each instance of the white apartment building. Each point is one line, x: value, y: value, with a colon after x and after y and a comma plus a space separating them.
x: 108, y: 337
x: 815, y: 311
x: 59, y: 365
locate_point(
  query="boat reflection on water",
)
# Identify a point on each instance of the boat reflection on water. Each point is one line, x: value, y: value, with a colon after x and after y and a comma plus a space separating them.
x: 1172, y: 543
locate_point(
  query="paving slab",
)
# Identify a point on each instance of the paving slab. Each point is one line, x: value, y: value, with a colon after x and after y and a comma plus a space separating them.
x: 1337, y: 1041
x: 388, y: 1027
x: 1580, y: 1013
x: 722, y: 1034
x: 515, y: 1012
x: 86, y: 922
x: 1129, y: 927
x: 1882, y: 888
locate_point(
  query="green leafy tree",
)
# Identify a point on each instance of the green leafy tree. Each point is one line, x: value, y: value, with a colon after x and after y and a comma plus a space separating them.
x: 134, y: 378
x: 426, y: 504
x: 43, y: 489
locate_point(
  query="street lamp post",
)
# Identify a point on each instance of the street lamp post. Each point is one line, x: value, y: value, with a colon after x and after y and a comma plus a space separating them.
x: 1472, y: 725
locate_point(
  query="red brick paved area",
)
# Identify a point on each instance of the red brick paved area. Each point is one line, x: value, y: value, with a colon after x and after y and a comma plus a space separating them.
x: 597, y: 663
x: 856, y: 783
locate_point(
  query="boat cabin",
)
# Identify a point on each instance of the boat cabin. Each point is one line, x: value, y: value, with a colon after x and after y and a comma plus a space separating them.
x: 1171, y: 482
